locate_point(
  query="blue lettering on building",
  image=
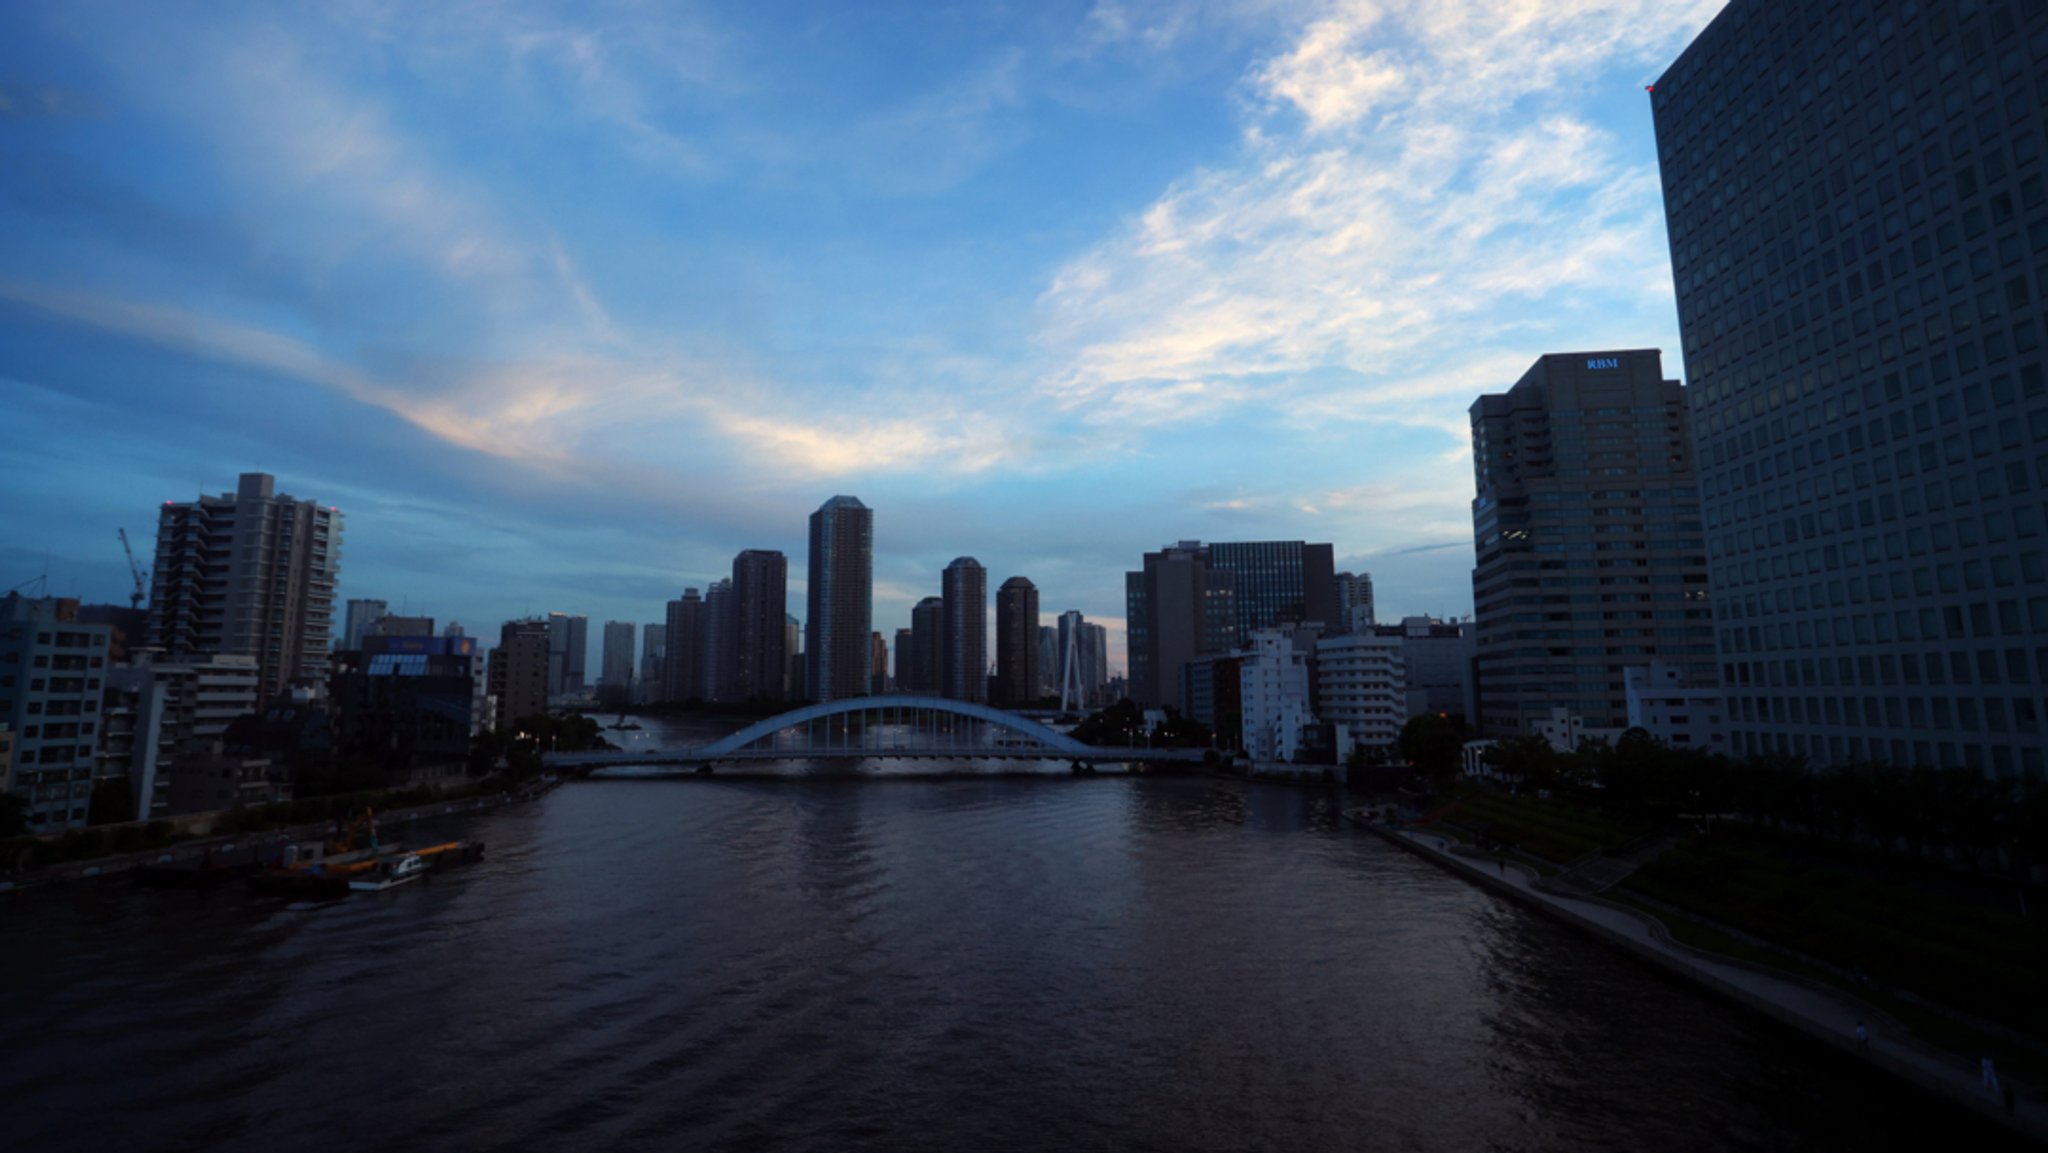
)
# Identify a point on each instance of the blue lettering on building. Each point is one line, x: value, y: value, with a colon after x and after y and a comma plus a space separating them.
x: 1603, y: 362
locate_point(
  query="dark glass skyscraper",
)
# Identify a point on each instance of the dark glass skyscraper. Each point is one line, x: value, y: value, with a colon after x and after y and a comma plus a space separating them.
x: 838, y: 631
x: 964, y: 661
x: 760, y: 596
x: 1017, y: 671
x: 1278, y: 582
x: 1859, y: 240
x: 1586, y: 524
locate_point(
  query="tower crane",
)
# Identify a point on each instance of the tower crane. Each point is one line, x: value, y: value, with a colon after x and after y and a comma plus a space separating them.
x: 135, y: 570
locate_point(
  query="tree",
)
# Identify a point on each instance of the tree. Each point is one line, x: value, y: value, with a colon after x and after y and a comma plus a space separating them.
x: 112, y: 802
x: 13, y: 815
x: 1528, y: 759
x: 1434, y: 744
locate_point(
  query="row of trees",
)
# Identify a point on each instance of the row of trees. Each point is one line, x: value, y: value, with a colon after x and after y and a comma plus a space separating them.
x: 1952, y: 814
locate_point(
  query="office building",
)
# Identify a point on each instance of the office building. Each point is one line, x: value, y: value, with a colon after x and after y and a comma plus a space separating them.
x: 53, y: 670
x: 653, y: 650
x: 518, y: 674
x: 1859, y: 243
x: 409, y: 703
x: 928, y: 644
x: 1278, y: 582
x: 963, y: 660
x: 1017, y: 677
x: 1590, y: 553
x: 248, y: 573
x: 878, y: 660
x: 391, y: 625
x: 901, y: 679
x: 362, y: 616
x: 682, y: 668
x: 453, y: 629
x: 841, y: 600
x: 617, y: 667
x: 760, y: 589
x: 1048, y: 661
x: 1175, y: 609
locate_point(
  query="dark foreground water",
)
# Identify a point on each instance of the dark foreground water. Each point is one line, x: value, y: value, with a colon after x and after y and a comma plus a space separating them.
x: 960, y: 965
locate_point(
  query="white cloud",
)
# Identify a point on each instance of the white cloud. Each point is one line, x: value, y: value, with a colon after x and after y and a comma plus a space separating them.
x: 1420, y: 183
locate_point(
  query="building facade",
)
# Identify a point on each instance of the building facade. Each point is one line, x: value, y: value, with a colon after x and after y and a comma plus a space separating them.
x: 171, y: 709
x: 928, y: 644
x: 760, y: 591
x: 1859, y: 243
x: 1354, y: 604
x: 568, y: 654
x: 53, y: 672
x: 362, y: 616
x: 409, y: 703
x: 1661, y: 704
x: 1362, y: 690
x: 840, y: 616
x: 1436, y: 664
x: 1017, y: 674
x: 1277, y: 698
x: 616, y: 668
x: 248, y: 573
x: 518, y: 673
x: 963, y: 668
x: 1591, y: 555
x: 682, y: 668
x: 1278, y: 582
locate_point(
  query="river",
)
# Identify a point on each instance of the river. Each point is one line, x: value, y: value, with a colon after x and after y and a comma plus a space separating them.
x: 1057, y: 963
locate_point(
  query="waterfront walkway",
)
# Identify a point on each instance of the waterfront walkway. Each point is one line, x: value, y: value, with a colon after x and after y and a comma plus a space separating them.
x: 1823, y: 1013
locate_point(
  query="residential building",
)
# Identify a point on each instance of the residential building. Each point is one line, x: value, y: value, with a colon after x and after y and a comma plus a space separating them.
x: 719, y: 659
x: 1277, y: 694
x: 841, y: 600
x: 52, y: 675
x: 928, y: 640
x: 963, y: 660
x: 391, y: 625
x: 1017, y: 679
x: 905, y: 679
x: 793, y: 649
x: 1590, y: 552
x: 1048, y: 661
x: 519, y: 668
x: 879, y: 661
x: 1661, y: 704
x: 362, y: 616
x: 1859, y: 244
x: 1361, y: 690
x: 653, y: 651
x: 760, y: 584
x: 168, y: 708
x: 248, y: 573
x: 682, y: 669
x: 6, y: 757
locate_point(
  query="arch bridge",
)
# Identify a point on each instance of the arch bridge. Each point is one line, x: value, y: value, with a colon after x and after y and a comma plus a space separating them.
x: 878, y: 727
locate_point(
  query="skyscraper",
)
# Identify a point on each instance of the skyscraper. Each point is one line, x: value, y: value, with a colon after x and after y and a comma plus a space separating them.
x: 1859, y: 240
x: 1586, y: 523
x: 964, y: 661
x: 878, y: 660
x: 568, y: 654
x: 653, y: 649
x: 682, y: 671
x: 617, y: 670
x: 928, y: 643
x: 840, y: 600
x: 718, y: 660
x: 1175, y: 609
x: 362, y: 616
x: 248, y: 573
x: 760, y: 589
x: 1016, y: 642
x: 906, y: 650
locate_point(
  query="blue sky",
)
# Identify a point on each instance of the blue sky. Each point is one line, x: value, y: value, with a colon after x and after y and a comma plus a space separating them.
x: 564, y: 305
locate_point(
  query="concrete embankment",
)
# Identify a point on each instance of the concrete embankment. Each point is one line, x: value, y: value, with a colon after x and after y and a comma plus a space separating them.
x: 245, y: 848
x: 1822, y: 1013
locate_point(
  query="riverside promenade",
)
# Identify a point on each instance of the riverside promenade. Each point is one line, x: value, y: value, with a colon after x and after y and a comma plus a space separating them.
x: 1825, y: 1014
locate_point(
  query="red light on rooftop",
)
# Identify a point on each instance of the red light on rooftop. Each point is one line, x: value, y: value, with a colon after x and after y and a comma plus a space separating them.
x: 1649, y: 87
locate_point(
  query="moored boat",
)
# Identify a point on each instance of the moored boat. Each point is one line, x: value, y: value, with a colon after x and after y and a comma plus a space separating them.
x: 410, y: 867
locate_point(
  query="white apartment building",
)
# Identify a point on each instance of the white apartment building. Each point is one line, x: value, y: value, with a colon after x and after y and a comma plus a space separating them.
x: 1663, y: 705
x: 1362, y: 689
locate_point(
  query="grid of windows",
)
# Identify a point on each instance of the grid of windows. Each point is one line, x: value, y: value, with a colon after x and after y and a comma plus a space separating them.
x: 1859, y: 239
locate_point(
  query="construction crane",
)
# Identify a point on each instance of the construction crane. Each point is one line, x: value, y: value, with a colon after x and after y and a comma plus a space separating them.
x: 135, y: 598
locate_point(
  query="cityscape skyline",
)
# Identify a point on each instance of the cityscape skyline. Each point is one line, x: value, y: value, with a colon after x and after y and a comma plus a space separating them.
x: 493, y: 381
